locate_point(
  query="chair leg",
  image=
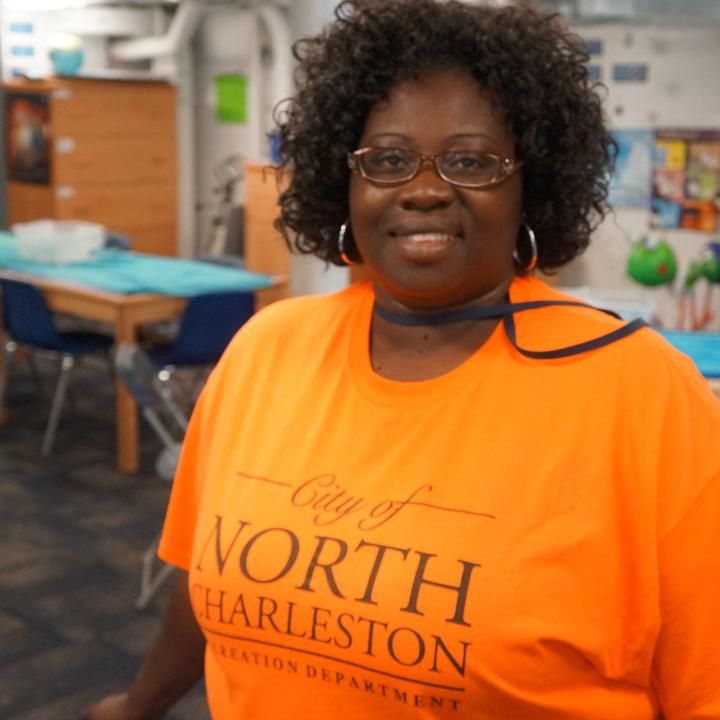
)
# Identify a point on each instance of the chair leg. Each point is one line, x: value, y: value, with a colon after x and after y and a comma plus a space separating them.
x: 164, y: 388
x: 10, y: 350
x: 66, y: 367
x: 151, y: 579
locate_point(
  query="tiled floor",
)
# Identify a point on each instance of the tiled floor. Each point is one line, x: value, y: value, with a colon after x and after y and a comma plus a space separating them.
x: 72, y: 534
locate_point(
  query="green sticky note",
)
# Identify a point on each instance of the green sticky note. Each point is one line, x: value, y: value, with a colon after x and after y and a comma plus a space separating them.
x: 231, y: 98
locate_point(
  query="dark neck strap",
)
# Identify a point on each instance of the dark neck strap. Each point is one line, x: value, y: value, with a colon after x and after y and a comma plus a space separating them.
x: 506, y: 311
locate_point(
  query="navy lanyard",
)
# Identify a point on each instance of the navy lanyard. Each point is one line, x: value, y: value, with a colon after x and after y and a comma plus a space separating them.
x: 506, y: 312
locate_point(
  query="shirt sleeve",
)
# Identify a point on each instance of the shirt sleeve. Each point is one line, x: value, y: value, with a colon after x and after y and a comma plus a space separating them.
x: 178, y: 532
x: 686, y: 668
x: 243, y: 356
x: 687, y: 658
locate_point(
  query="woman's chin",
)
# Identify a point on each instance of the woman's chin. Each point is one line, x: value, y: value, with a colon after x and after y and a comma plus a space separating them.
x: 435, y: 286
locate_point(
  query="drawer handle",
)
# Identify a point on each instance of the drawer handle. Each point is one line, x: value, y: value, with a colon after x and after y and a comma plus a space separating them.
x: 65, y: 145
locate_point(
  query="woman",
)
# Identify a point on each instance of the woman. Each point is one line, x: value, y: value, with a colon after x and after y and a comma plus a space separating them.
x: 391, y: 502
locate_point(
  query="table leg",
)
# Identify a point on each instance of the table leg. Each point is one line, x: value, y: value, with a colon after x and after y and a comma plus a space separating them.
x: 126, y: 410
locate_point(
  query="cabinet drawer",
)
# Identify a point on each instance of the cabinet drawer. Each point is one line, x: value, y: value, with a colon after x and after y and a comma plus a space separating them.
x: 158, y: 237
x: 88, y: 108
x: 28, y: 202
x: 145, y: 212
x: 159, y: 240
x: 78, y: 160
x: 117, y: 206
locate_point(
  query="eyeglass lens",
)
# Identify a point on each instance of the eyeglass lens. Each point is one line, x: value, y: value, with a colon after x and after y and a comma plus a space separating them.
x: 396, y: 165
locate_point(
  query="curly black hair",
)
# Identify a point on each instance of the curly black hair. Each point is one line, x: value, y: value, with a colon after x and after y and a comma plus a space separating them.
x: 534, y: 67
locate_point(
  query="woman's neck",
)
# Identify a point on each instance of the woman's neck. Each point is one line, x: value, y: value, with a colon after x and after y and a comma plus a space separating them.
x: 411, y: 353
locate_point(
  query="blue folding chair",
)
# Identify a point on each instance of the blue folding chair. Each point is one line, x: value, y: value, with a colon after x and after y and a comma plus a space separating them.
x: 206, y: 327
x: 29, y: 325
x: 139, y: 375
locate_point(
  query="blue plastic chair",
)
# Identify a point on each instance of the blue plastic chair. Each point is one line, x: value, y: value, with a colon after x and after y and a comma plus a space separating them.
x: 29, y: 324
x: 117, y: 241
x: 206, y: 327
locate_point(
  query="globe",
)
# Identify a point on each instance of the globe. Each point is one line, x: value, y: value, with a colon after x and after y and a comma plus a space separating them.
x: 66, y: 53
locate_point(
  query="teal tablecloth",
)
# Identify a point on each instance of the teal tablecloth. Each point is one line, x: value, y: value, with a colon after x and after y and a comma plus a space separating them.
x: 128, y: 272
x: 703, y: 348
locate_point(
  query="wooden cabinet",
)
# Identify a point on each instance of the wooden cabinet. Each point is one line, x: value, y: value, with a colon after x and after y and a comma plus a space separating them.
x: 112, y: 158
x: 265, y: 249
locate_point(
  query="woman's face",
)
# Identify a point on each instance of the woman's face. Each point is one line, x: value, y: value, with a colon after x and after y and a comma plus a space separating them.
x: 426, y: 243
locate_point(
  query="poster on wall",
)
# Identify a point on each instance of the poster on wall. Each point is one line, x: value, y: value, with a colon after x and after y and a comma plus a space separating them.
x: 231, y: 98
x: 630, y: 183
x: 686, y: 180
x: 27, y: 145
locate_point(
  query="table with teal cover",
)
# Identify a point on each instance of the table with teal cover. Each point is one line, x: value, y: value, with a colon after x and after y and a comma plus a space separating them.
x: 118, y: 271
x: 703, y: 348
x: 126, y: 290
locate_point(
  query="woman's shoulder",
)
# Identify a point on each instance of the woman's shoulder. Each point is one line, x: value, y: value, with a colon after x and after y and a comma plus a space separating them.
x: 582, y: 314
x: 644, y: 350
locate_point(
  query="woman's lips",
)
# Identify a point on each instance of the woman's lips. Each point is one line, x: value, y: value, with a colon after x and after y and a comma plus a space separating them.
x: 424, y: 247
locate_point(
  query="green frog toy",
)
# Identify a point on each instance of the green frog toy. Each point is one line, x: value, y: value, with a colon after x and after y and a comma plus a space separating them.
x: 652, y: 264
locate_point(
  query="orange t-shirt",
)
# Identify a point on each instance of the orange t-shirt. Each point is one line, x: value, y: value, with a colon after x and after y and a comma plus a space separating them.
x: 516, y: 539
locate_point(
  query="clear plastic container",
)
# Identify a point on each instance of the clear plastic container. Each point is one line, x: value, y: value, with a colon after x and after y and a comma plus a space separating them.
x: 59, y: 241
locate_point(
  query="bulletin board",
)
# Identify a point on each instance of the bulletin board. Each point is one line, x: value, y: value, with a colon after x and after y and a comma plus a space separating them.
x: 632, y: 176
x: 686, y: 180
x: 231, y: 98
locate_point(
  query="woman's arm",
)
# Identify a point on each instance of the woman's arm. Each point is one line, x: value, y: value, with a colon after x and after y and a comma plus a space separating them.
x: 170, y: 670
x: 687, y: 663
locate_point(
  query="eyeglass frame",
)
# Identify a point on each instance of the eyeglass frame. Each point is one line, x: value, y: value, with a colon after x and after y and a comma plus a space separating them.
x: 508, y: 168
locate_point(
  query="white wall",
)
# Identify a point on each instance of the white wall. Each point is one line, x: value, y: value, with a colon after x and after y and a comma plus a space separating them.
x: 228, y: 42
x: 681, y: 92
x: 24, y: 43
x: 30, y: 31
x: 225, y: 44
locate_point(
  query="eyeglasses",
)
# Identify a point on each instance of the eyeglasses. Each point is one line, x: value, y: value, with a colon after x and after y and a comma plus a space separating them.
x: 466, y: 168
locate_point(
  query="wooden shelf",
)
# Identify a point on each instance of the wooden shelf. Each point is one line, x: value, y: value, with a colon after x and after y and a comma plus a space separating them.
x: 112, y: 159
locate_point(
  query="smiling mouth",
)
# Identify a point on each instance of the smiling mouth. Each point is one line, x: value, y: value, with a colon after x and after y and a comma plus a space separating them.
x: 425, y: 247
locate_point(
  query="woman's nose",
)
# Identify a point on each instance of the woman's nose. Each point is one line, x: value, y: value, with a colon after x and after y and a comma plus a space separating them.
x: 426, y: 191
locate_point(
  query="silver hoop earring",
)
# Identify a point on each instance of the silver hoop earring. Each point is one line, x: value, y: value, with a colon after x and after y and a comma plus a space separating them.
x: 341, y: 244
x: 533, y: 250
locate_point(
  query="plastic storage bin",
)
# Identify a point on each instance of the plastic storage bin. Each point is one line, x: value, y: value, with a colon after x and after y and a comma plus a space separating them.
x: 59, y: 241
